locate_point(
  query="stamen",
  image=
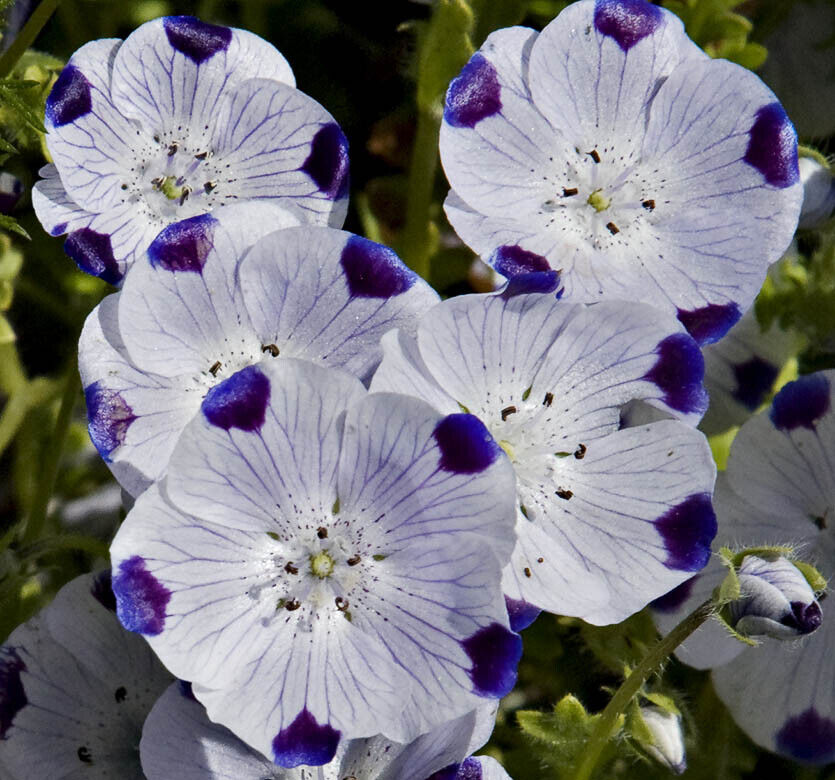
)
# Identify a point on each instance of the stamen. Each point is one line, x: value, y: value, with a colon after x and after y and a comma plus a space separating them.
x: 507, y: 411
x: 567, y: 192
x: 201, y: 155
x: 209, y: 186
x: 215, y: 368
x: 649, y: 205
x: 612, y: 228
x: 341, y: 604
x: 540, y: 560
x: 527, y: 572
x: 172, y: 149
x: 292, y: 604
x: 580, y: 453
x: 565, y: 494
x: 549, y: 399
x: 184, y: 196
x: 271, y: 348
x: 290, y: 569
x: 322, y: 532
x: 353, y: 560
x: 594, y: 155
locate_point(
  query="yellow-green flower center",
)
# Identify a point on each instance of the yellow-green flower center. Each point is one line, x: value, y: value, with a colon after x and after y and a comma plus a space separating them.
x: 321, y: 564
x: 508, y: 448
x: 599, y: 201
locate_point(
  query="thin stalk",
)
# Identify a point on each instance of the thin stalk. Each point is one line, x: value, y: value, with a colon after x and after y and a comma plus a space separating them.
x: 416, y: 237
x: 52, y: 544
x: 27, y: 35
x: 12, y: 375
x: 46, y: 483
x: 651, y: 662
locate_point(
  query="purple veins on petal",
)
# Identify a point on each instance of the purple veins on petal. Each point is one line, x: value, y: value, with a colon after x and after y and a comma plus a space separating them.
x: 240, y: 401
x: 672, y: 600
x: 198, y: 40
x: 12, y: 696
x: 511, y: 259
x: 535, y: 282
x: 772, y: 146
x: 801, y: 403
x: 709, y: 323
x: 141, y: 598
x: 93, y: 254
x: 102, y: 590
x: 465, y: 443
x: 69, y: 98
x: 754, y: 379
x: 304, y: 741
x: 327, y: 163
x: 494, y: 651
x: 474, y: 95
x: 687, y: 530
x: 185, y: 245
x: 679, y: 372
x: 520, y: 613
x: 626, y: 21
x: 373, y: 270
x: 808, y: 737
x: 108, y: 418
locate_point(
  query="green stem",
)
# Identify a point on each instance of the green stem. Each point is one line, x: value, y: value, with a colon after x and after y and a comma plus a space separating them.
x: 52, y: 544
x: 38, y: 391
x: 26, y: 37
x: 46, y: 483
x: 653, y: 661
x: 12, y: 375
x: 415, y: 242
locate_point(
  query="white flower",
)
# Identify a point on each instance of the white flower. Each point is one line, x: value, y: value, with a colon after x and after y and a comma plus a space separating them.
x: 818, y: 193
x: 75, y: 688
x: 221, y: 292
x: 610, y: 147
x: 324, y: 564
x: 180, y: 118
x: 608, y: 517
x: 779, y: 489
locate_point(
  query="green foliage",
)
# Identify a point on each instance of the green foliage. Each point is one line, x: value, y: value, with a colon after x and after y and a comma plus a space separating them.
x: 719, y: 30
x: 622, y: 645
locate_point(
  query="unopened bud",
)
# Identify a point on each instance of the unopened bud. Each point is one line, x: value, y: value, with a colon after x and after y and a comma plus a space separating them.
x: 818, y: 193
x: 775, y: 600
x: 667, y: 745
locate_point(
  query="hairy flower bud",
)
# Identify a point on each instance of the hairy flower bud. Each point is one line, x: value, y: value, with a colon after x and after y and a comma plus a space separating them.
x: 667, y: 744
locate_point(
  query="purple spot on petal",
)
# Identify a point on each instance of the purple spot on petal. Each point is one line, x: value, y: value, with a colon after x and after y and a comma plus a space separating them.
x: 102, y: 590
x: 108, y: 418
x: 447, y: 773
x: 59, y: 229
x: 805, y: 618
x: 536, y: 282
x: 772, y: 146
x: 93, y: 254
x: 465, y: 443
x: 511, y: 259
x: 469, y: 770
x: 198, y: 40
x: 494, y: 651
x: 239, y: 402
x: 627, y: 21
x: 12, y: 696
x: 521, y: 613
x: 754, y: 379
x: 69, y: 98
x: 679, y: 372
x: 327, y: 163
x: 708, y: 324
x: 304, y: 741
x: 808, y: 737
x: 474, y: 94
x: 185, y: 245
x: 800, y: 403
x: 672, y: 600
x: 141, y: 598
x: 687, y: 530
x: 373, y: 270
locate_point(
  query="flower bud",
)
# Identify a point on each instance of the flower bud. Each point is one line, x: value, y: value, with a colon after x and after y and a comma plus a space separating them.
x: 818, y: 193
x: 667, y: 744
x: 775, y: 600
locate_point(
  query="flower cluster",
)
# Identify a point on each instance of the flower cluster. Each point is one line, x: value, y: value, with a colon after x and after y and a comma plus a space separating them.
x: 350, y: 496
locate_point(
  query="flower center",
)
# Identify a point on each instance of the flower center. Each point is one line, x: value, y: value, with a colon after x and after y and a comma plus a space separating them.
x: 599, y: 201
x: 322, y: 564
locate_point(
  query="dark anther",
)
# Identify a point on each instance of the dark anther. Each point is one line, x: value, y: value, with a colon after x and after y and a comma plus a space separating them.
x: 293, y: 604
x: 215, y: 368
x: 156, y: 138
x: 566, y: 494
x: 549, y: 399
x: 527, y: 571
x: 507, y: 411
x: 322, y: 532
x: 290, y: 569
x: 84, y: 755
x: 594, y: 155
x: 172, y: 149
x: 184, y: 196
x: 124, y: 186
x: 820, y: 521
x: 341, y: 604
x: 580, y: 452
x: 540, y: 560
x: 157, y: 183
x: 201, y: 155
x: 271, y: 348
x: 121, y: 694
x: 612, y: 228
x: 353, y: 560
x: 209, y: 186
x: 567, y: 192
x: 649, y: 205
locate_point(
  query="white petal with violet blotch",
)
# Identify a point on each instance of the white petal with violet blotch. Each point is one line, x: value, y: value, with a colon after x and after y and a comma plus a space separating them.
x: 352, y: 605
x: 610, y: 147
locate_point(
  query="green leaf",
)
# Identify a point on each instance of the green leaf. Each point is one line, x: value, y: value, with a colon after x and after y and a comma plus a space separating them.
x: 11, y: 224
x: 9, y: 89
x: 623, y: 644
x: 492, y: 15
